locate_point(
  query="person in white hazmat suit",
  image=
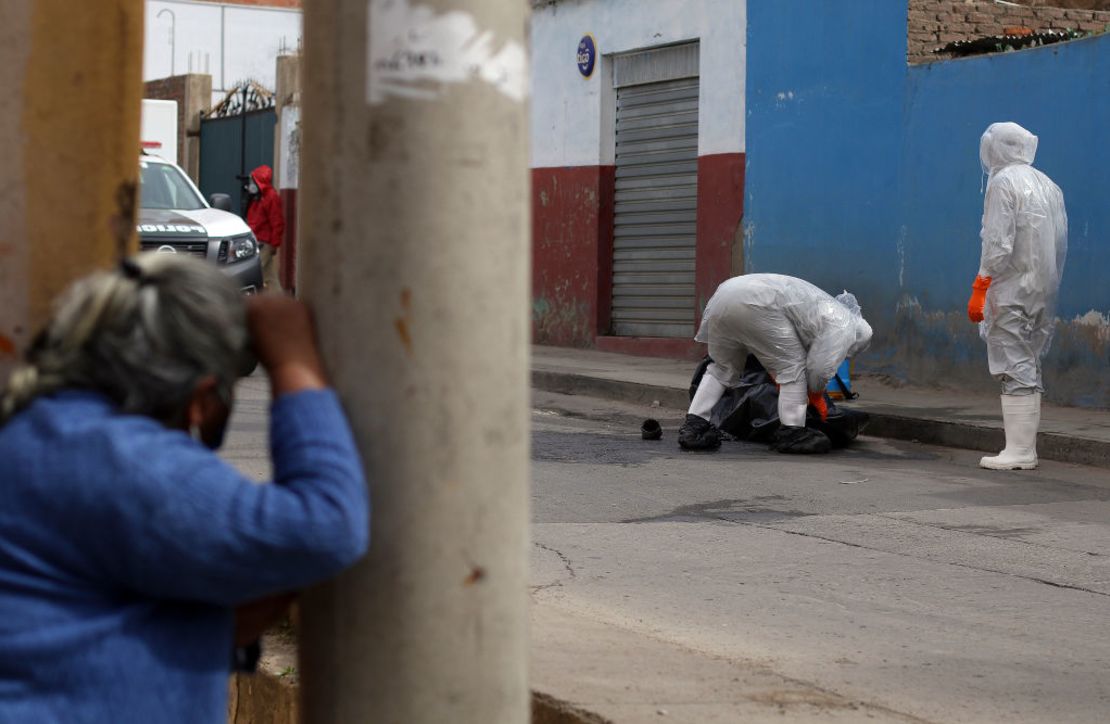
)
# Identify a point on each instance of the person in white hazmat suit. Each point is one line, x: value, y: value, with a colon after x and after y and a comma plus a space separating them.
x: 1013, y: 298
x: 800, y: 335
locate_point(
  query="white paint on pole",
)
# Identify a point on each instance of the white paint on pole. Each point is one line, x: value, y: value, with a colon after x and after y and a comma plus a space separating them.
x: 414, y: 51
x: 289, y: 160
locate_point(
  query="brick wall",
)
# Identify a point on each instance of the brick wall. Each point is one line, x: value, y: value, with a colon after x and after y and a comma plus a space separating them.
x: 934, y: 23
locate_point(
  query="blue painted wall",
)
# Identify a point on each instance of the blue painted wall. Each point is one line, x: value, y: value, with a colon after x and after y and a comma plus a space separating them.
x: 863, y: 173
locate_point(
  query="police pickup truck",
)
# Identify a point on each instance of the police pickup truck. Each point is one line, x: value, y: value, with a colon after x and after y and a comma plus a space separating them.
x: 174, y: 218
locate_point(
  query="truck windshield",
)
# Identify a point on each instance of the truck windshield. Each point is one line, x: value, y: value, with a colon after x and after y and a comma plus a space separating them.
x: 163, y: 186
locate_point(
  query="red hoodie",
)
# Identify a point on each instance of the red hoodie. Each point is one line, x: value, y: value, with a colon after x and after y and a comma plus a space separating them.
x: 265, y: 215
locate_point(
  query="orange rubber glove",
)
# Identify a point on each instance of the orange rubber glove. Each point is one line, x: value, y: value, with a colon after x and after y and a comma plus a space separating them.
x: 978, y: 298
x: 817, y: 399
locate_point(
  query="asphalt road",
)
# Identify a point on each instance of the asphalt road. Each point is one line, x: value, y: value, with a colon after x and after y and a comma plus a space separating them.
x: 897, y: 578
x: 888, y: 582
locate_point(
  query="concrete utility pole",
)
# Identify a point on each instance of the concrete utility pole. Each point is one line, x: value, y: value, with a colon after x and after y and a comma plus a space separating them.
x: 71, y: 75
x: 415, y: 256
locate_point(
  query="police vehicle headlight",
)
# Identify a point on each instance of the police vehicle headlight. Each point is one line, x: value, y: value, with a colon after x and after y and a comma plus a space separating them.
x: 243, y: 248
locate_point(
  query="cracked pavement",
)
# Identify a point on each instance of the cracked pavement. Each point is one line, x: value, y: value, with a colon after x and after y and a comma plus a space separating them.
x: 891, y: 581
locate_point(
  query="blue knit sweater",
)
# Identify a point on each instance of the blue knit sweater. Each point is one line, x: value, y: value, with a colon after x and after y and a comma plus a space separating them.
x: 124, y: 546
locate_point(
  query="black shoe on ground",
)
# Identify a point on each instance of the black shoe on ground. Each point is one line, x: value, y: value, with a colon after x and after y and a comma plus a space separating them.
x: 697, y: 433
x: 651, y: 430
x: 800, y: 441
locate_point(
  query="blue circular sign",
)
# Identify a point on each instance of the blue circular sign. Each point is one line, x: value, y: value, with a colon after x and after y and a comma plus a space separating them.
x: 587, y: 55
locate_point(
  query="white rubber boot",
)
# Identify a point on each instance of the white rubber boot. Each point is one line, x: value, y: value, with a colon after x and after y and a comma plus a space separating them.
x: 1021, y: 416
x: 792, y: 403
x: 710, y: 391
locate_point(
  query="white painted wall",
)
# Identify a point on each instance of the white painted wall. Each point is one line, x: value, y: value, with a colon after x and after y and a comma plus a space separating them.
x: 572, y: 116
x: 228, y: 42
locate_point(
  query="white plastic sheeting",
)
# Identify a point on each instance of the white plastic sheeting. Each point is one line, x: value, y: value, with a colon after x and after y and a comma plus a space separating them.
x: 1025, y: 243
x: 794, y: 329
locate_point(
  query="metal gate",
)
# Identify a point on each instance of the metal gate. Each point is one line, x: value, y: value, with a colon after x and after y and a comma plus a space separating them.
x: 236, y: 137
x: 656, y: 192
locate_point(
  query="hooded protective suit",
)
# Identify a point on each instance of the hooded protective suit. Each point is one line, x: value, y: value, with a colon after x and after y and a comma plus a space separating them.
x: 1024, y: 234
x: 265, y: 215
x: 797, y: 331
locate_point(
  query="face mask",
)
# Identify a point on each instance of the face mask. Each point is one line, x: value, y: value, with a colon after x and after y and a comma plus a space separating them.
x: 213, y: 439
x: 253, y: 187
x: 211, y: 434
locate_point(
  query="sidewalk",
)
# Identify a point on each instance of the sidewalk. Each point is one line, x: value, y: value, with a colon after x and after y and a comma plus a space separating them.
x: 954, y: 418
x: 592, y: 671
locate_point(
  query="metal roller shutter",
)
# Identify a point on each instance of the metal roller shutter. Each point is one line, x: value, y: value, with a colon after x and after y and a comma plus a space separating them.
x: 656, y: 196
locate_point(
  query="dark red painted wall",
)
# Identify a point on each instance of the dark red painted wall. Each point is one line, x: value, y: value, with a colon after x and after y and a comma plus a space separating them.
x: 720, y: 207
x: 287, y: 252
x: 572, y: 247
x: 572, y: 253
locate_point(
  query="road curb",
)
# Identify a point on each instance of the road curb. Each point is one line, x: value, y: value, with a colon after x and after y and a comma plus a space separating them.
x: 1050, y: 445
x: 267, y: 698
x: 547, y: 709
x: 570, y: 383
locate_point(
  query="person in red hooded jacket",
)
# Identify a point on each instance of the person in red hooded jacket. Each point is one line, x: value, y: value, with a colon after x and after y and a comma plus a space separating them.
x: 266, y: 217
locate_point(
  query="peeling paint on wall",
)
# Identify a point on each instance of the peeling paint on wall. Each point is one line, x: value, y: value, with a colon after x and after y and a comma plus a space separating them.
x: 749, y: 246
x: 562, y: 320
x: 1080, y: 352
x: 935, y: 347
x: 572, y: 228
x: 902, y: 257
x: 1097, y: 320
x: 938, y: 345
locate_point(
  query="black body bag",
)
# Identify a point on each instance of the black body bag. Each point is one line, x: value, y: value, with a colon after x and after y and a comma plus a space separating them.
x: 750, y: 411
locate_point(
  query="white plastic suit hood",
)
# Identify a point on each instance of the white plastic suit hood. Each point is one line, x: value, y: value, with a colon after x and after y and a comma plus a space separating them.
x: 862, y: 330
x: 1005, y: 144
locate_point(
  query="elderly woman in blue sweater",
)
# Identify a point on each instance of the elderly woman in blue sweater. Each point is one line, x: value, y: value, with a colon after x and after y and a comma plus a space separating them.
x: 127, y: 547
